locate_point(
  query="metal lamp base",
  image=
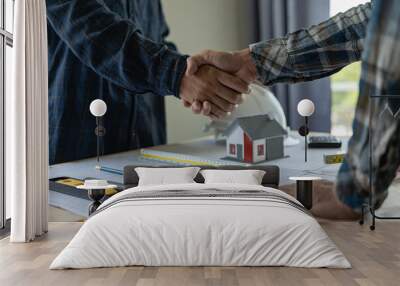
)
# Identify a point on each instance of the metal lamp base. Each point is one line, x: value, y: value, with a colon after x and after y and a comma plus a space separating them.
x: 96, y: 196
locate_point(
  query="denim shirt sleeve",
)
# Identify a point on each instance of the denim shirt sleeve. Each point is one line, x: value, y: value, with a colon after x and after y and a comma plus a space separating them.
x: 313, y: 53
x: 115, y: 48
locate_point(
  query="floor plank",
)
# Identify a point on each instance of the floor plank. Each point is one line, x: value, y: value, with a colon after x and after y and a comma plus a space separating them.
x: 375, y: 257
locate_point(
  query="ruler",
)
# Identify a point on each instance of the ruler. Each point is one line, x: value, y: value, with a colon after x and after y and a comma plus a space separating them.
x: 181, y: 159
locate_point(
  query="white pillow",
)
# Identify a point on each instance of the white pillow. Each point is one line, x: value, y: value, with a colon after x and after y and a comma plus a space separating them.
x: 245, y: 177
x: 166, y: 176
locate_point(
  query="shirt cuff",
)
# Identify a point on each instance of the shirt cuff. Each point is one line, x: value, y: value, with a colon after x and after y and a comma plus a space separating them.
x: 271, y: 59
x: 347, y: 189
x: 172, y: 69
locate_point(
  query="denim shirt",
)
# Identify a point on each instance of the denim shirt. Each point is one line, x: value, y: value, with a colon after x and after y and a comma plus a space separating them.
x: 113, y: 50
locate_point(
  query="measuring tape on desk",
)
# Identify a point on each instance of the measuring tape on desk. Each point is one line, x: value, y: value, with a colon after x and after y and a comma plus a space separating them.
x: 334, y: 158
x: 181, y: 159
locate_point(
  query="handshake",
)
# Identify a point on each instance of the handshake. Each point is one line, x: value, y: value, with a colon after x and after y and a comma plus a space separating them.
x: 215, y: 81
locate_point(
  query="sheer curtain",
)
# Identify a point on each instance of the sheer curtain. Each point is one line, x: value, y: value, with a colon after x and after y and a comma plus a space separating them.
x: 26, y: 124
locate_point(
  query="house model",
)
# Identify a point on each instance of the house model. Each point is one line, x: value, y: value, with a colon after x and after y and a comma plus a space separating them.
x: 255, y: 139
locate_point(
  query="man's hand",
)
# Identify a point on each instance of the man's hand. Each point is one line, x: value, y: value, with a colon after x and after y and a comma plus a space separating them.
x: 221, y: 90
x: 325, y: 202
x: 327, y: 205
x: 239, y: 63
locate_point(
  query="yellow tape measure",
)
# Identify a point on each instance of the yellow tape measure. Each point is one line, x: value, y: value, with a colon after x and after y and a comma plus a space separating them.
x: 71, y: 182
x: 334, y: 158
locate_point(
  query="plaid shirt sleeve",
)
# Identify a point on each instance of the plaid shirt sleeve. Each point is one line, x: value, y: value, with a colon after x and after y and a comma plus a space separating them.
x: 376, y: 126
x: 313, y: 53
x: 326, y: 48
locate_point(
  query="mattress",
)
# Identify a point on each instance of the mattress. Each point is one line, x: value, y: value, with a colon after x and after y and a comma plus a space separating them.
x: 201, y: 225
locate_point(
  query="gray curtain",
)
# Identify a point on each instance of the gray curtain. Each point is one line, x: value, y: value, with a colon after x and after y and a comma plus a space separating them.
x: 276, y: 18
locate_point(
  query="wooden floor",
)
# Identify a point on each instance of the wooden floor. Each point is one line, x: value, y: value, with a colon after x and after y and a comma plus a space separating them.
x: 375, y: 257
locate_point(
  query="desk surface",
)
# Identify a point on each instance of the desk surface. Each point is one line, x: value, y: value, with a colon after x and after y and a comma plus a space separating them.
x: 292, y: 166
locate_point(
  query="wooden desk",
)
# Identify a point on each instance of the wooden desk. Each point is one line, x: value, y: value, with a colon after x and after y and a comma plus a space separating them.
x: 292, y: 166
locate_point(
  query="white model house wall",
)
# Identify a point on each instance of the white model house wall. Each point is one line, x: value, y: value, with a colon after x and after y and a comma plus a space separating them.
x: 236, y: 138
x: 256, y: 156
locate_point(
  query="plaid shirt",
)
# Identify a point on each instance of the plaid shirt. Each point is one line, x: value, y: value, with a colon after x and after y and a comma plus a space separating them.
x: 370, y: 33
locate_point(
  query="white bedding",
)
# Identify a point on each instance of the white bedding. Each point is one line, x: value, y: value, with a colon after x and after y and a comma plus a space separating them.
x: 204, y: 231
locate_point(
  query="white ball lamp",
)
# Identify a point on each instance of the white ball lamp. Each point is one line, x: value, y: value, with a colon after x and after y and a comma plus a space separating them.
x: 98, y: 108
x: 305, y: 108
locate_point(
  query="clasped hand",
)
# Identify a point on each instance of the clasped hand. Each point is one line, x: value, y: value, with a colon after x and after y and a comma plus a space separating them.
x: 215, y: 81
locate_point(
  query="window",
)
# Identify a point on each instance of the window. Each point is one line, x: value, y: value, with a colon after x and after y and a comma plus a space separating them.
x: 232, y: 149
x: 260, y: 150
x: 344, y: 83
x: 6, y: 62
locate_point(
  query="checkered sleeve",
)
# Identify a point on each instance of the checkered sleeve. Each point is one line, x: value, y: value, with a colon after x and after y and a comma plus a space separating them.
x: 373, y: 156
x: 313, y: 53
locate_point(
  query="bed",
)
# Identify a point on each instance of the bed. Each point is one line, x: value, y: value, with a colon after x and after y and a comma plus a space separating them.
x: 197, y: 224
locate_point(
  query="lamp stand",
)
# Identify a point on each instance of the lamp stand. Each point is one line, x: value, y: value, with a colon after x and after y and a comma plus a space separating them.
x: 306, y: 139
x: 100, y: 131
x: 97, y: 142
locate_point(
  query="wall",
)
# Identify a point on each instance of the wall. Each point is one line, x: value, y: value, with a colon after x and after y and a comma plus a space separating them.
x: 197, y: 25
